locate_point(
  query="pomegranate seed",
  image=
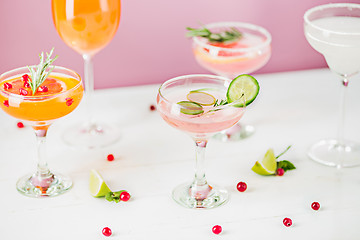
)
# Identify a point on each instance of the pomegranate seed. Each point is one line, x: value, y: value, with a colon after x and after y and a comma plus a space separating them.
x: 69, y: 101
x: 7, y: 86
x: 43, y: 89
x: 20, y: 125
x: 287, y: 222
x: 26, y: 77
x: 241, y: 187
x: 23, y: 92
x: 106, y: 232
x: 6, y: 103
x: 315, y: 206
x: 26, y: 84
x: 217, y: 229
x: 280, y: 172
x: 152, y: 108
x: 110, y: 157
x: 124, y: 196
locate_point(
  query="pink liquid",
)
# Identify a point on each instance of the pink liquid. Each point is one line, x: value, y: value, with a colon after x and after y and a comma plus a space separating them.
x: 200, y: 125
x: 231, y: 61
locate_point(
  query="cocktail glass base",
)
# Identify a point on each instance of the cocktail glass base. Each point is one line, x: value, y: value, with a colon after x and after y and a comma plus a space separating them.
x: 331, y: 153
x: 211, y: 198
x: 91, y: 135
x: 235, y: 133
x: 52, y: 185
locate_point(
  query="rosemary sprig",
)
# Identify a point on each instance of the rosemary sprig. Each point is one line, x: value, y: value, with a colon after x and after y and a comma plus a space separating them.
x: 38, y: 74
x: 226, y: 36
x: 220, y: 103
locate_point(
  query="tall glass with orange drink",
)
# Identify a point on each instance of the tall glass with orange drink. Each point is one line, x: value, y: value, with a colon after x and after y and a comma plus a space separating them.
x: 87, y: 26
x: 58, y: 95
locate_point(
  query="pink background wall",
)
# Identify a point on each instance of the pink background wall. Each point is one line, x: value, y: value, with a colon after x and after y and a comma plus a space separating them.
x: 150, y: 45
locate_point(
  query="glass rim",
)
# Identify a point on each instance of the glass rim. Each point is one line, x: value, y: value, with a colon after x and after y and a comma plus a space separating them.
x: 250, y: 26
x: 39, y: 97
x: 329, y: 6
x: 215, y: 77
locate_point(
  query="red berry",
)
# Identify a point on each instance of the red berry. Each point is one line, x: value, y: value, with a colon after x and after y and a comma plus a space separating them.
x: 241, y: 186
x: 43, y: 89
x: 106, y: 232
x: 26, y: 84
x: 124, y: 196
x: 23, y: 92
x: 6, y: 103
x: 20, y: 125
x: 25, y: 77
x: 69, y: 101
x: 280, y: 172
x: 152, y: 108
x: 110, y: 157
x: 217, y: 229
x: 315, y: 206
x: 287, y: 222
x: 7, y: 86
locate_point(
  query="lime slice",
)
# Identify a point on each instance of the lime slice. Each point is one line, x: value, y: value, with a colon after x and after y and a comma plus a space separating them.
x: 97, y: 185
x: 267, y: 166
x: 201, y: 98
x: 190, y: 108
x: 243, y: 85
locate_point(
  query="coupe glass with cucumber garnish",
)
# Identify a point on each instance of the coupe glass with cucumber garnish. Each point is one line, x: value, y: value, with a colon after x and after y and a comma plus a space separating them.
x: 230, y: 49
x: 201, y: 106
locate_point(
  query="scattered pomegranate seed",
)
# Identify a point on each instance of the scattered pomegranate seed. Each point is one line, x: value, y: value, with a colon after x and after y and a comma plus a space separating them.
x: 287, y: 222
x: 7, y: 86
x: 152, y: 107
x: 280, y: 172
x: 217, y: 229
x: 315, y: 206
x: 20, y: 125
x: 106, y: 232
x: 43, y: 89
x: 6, y: 103
x: 69, y: 101
x: 124, y: 196
x: 26, y: 77
x: 23, y: 92
x: 26, y: 84
x: 110, y: 157
x: 241, y: 187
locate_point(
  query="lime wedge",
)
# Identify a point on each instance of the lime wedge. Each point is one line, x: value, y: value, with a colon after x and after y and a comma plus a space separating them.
x: 97, y: 185
x: 190, y: 108
x: 201, y: 98
x: 243, y: 85
x: 267, y: 166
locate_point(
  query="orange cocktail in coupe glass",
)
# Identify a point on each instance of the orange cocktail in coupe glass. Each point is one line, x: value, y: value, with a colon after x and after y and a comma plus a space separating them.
x: 58, y: 95
x: 192, y: 104
x: 229, y: 49
x: 87, y: 26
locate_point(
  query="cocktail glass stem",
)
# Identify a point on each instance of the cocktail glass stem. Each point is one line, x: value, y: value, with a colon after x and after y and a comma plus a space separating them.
x: 199, y: 189
x: 42, y: 167
x: 91, y: 133
x: 199, y: 194
x: 43, y: 182
x: 340, y: 134
x: 89, y: 87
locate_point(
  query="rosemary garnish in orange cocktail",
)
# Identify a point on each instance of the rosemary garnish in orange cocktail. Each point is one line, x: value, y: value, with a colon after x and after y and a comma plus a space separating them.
x: 38, y: 74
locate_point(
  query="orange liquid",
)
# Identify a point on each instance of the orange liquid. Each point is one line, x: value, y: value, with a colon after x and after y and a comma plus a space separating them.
x: 63, y: 97
x: 87, y: 26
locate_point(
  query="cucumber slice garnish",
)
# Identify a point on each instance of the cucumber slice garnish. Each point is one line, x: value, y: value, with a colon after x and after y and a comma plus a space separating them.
x: 243, y: 86
x: 190, y: 108
x: 202, y: 98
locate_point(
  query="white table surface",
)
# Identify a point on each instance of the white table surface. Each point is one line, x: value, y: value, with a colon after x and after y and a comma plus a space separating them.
x: 296, y: 108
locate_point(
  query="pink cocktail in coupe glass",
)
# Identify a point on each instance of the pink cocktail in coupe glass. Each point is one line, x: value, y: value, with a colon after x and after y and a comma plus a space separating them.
x: 201, y: 123
x: 250, y: 52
